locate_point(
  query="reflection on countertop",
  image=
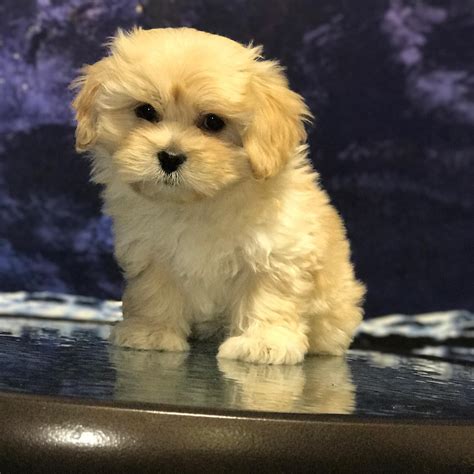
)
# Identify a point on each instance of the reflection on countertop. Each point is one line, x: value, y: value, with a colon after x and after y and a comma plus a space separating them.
x: 74, y: 359
x: 321, y: 385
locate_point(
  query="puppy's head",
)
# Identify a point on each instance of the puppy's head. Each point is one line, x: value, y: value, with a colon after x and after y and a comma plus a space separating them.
x: 184, y: 114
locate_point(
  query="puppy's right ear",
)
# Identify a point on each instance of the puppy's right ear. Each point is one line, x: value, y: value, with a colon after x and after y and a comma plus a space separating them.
x: 84, y: 104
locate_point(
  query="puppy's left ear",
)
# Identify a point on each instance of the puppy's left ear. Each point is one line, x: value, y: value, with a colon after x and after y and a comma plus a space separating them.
x: 277, y: 127
x: 88, y: 84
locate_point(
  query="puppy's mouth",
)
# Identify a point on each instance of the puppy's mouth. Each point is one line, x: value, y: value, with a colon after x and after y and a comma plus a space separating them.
x: 169, y: 187
x: 171, y: 180
x: 152, y: 187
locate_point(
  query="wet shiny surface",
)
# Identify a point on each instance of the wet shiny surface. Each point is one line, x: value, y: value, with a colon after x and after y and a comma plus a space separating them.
x: 74, y: 360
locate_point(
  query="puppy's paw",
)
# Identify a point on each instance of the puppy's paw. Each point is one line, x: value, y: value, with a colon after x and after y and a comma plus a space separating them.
x: 140, y: 335
x: 264, y: 349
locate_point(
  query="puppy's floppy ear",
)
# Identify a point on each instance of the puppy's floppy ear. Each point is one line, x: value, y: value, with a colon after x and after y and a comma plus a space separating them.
x: 277, y: 127
x: 88, y: 84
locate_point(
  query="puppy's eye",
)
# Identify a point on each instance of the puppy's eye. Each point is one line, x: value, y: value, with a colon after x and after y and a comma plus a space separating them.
x: 147, y: 112
x: 212, y: 123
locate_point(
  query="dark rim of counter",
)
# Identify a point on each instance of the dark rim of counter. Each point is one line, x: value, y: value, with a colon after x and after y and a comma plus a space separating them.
x: 40, y: 433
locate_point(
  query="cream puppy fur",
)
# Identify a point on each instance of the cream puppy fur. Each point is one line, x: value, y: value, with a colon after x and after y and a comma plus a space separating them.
x: 220, y: 224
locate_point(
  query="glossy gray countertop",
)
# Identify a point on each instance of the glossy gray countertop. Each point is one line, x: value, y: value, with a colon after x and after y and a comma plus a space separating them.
x: 74, y: 359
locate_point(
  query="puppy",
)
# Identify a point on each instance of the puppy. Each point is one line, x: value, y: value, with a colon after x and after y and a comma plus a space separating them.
x: 220, y: 224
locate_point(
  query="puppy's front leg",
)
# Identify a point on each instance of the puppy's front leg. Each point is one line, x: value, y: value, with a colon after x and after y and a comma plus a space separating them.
x: 154, y: 314
x: 269, y: 325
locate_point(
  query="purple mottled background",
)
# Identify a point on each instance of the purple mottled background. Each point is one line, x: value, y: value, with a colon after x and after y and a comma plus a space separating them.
x: 390, y: 81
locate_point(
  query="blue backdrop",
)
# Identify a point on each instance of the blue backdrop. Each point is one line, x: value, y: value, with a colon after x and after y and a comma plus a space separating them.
x: 391, y: 83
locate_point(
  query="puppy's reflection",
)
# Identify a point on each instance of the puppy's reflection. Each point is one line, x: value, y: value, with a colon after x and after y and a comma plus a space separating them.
x: 320, y: 385
x: 148, y: 376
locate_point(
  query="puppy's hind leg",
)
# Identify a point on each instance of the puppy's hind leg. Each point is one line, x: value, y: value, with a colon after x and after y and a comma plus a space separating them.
x: 154, y: 314
x: 333, y: 324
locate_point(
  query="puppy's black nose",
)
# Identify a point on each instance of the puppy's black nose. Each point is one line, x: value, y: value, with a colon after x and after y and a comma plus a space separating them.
x: 170, y: 162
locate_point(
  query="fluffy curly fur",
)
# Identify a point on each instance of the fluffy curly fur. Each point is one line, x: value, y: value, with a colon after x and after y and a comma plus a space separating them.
x: 240, y: 240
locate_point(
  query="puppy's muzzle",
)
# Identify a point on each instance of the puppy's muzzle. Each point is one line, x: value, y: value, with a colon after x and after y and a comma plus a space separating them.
x: 170, y: 162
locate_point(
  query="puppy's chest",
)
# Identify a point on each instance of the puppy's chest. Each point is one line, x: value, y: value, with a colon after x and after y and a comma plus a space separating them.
x: 206, y: 264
